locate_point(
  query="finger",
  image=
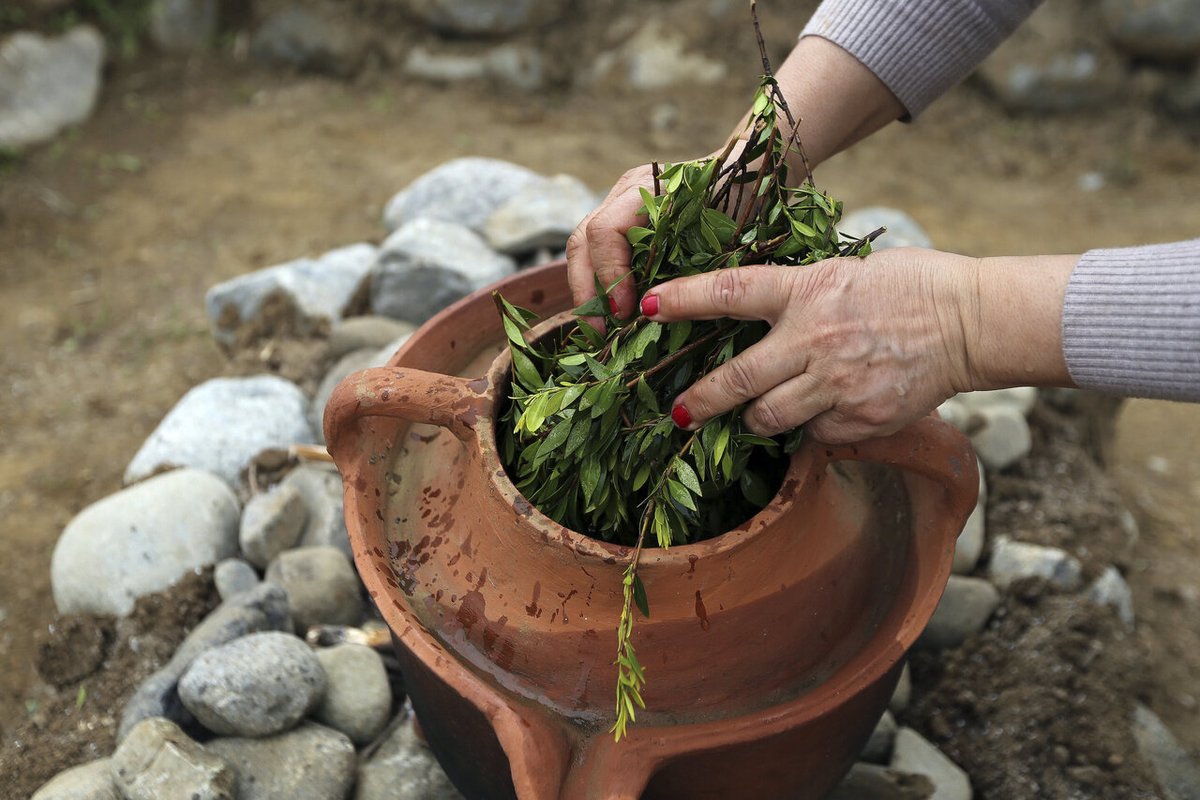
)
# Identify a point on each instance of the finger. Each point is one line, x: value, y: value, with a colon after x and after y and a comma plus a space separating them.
x: 758, y: 292
x: 579, y: 264
x: 788, y: 405
x: 608, y: 250
x: 751, y: 373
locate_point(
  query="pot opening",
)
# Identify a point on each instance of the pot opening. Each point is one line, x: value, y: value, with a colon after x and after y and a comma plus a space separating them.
x: 759, y: 478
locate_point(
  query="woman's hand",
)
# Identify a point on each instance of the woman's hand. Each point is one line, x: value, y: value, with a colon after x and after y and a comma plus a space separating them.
x: 858, y: 348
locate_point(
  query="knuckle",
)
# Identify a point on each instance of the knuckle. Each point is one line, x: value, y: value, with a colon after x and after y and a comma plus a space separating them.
x: 767, y: 417
x: 577, y: 241
x: 738, y: 378
x: 728, y: 288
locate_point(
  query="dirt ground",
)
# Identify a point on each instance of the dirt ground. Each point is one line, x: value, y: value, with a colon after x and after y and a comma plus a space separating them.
x: 192, y: 171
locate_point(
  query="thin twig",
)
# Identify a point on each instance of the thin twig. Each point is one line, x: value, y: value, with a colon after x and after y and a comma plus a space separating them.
x: 671, y: 359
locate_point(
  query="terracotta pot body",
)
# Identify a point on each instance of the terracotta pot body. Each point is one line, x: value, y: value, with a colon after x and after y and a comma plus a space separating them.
x: 771, y: 650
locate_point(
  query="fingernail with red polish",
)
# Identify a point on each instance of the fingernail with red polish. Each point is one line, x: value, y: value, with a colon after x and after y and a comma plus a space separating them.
x: 681, y: 416
x: 650, y: 308
x: 613, y: 307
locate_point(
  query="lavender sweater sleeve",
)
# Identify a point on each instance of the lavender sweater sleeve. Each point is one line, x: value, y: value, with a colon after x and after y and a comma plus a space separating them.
x: 1131, y: 318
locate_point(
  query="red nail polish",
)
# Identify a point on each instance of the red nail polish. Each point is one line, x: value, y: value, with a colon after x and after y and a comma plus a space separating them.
x: 612, y: 306
x: 650, y: 308
x: 681, y: 416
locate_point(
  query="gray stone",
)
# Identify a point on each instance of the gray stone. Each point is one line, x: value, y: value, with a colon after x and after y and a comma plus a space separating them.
x: 483, y: 17
x: 902, y: 695
x: 1002, y: 438
x: 879, y: 747
x: 1177, y: 772
x: 1159, y: 30
x: 321, y: 488
x: 428, y: 264
x: 157, y: 760
x: 222, y: 424
x: 1012, y: 561
x: 514, y: 65
x: 902, y: 230
x: 297, y: 37
x: 1110, y: 589
x: 915, y: 755
x: 964, y: 609
x: 403, y: 768
x: 263, y: 608
x: 309, y: 763
x: 141, y: 540
x: 358, y: 697
x: 542, y: 214
x: 953, y: 412
x: 315, y: 292
x: 873, y: 782
x: 258, y: 685
x: 1059, y: 60
x: 47, y: 84
x: 322, y: 587
x: 368, y: 332
x: 91, y: 781
x: 183, y: 26
x: 234, y: 576
x: 658, y: 56
x: 970, y: 541
x: 1021, y: 398
x: 271, y: 523
x: 464, y: 191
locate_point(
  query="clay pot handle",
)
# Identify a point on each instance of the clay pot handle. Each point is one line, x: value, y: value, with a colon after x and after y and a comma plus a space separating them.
x: 928, y: 447
x: 411, y: 394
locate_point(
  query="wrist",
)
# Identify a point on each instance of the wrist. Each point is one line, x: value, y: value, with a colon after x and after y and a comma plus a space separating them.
x: 1011, y: 311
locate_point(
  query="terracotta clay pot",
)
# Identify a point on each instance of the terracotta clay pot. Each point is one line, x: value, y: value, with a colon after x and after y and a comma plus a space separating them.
x: 771, y: 650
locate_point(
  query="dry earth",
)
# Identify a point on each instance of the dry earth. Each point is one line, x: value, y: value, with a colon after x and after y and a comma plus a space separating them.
x: 192, y: 172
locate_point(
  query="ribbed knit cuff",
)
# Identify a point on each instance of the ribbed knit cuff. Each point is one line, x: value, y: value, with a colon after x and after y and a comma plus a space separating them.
x: 918, y: 48
x: 1131, y: 321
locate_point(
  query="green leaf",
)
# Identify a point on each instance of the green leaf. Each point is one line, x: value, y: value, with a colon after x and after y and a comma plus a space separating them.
x: 687, y: 476
x: 680, y: 494
x: 643, y: 604
x: 592, y: 308
x: 678, y: 334
x: 579, y: 434
x: 754, y: 488
x: 637, y: 234
x: 556, y: 438
x: 589, y: 477
x: 719, y: 444
x: 646, y: 396
x: 514, y: 334
x: 640, y: 477
x: 526, y: 372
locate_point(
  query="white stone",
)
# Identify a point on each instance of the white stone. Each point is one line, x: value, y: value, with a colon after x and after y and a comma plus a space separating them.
x: 902, y: 229
x: 310, y: 762
x: 1176, y: 770
x: 1161, y: 30
x: 183, y: 26
x: 258, y: 685
x: 970, y: 541
x: 658, y: 57
x: 875, y: 782
x: 222, y: 424
x: 464, y: 191
x: 903, y: 692
x: 428, y: 264
x: 879, y: 747
x: 367, y: 332
x: 1012, y: 561
x: 1003, y: 438
x: 1021, y: 398
x: 234, y: 576
x: 321, y: 585
x: 358, y: 698
x: 141, y: 540
x: 515, y: 65
x: 1110, y: 589
x: 47, y: 84
x: 345, y: 366
x: 157, y: 760
x: 317, y: 290
x: 913, y: 754
x: 542, y: 214
x: 965, y: 608
x: 483, y: 17
x: 321, y: 488
x: 403, y: 768
x: 271, y: 523
x: 91, y: 781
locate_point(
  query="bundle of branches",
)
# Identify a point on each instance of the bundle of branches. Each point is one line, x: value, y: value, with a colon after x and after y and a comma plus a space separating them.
x: 588, y: 437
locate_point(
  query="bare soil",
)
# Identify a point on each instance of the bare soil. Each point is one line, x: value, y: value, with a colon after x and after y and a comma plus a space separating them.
x: 193, y: 171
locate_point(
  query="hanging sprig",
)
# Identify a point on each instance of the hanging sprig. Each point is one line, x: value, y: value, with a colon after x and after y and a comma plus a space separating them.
x: 587, y: 436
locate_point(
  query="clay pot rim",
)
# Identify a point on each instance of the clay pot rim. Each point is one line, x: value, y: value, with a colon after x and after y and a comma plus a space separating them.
x: 590, y: 547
